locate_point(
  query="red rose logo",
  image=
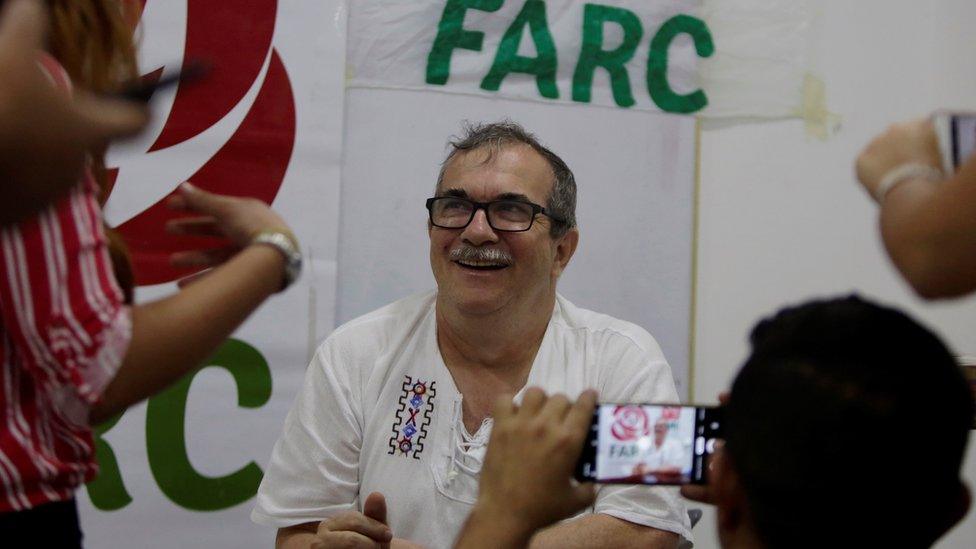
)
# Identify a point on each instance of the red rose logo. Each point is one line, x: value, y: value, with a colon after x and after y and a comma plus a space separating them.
x: 671, y: 413
x: 242, y: 118
x: 629, y: 423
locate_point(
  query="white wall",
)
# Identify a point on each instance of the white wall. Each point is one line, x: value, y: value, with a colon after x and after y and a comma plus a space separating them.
x: 781, y: 217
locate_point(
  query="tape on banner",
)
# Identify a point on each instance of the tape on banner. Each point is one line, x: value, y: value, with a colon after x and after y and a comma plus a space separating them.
x: 820, y: 122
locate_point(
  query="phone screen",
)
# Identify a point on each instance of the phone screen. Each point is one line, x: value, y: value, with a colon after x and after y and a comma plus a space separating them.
x: 963, y: 138
x: 649, y: 444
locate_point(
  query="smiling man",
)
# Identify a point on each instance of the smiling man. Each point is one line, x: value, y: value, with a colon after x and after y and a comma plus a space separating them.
x: 395, y: 410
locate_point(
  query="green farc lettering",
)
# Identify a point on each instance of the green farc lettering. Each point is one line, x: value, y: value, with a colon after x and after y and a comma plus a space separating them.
x: 166, y: 441
x: 451, y: 35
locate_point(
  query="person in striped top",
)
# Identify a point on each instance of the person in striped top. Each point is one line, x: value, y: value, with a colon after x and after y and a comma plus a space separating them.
x: 73, y: 351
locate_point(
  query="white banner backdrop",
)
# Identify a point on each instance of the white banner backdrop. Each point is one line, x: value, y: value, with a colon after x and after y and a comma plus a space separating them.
x: 181, y: 471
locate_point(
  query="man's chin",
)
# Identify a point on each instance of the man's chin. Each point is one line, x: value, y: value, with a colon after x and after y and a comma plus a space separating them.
x: 477, y: 303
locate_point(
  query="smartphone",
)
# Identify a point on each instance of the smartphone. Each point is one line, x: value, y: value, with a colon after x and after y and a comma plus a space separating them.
x: 650, y: 444
x: 956, y: 132
x: 142, y: 91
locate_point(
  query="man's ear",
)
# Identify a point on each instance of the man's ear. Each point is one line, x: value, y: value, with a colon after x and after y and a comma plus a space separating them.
x: 565, y: 248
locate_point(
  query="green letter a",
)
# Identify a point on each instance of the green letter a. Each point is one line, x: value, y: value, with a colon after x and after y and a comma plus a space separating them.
x: 507, y: 59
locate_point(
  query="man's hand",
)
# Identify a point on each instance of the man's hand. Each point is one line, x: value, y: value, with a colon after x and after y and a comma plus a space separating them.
x: 912, y: 142
x: 46, y: 136
x: 526, y: 482
x: 366, y: 530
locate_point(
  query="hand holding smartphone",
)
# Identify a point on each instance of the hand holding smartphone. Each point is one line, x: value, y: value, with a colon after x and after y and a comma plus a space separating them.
x: 650, y: 444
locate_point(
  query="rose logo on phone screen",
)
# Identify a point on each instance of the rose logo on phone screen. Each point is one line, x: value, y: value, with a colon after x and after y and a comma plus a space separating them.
x: 629, y: 423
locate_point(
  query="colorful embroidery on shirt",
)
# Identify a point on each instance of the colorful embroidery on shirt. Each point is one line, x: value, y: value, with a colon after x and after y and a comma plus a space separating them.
x: 412, y: 417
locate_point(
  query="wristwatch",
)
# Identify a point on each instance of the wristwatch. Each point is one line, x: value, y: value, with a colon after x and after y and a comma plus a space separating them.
x: 287, y: 244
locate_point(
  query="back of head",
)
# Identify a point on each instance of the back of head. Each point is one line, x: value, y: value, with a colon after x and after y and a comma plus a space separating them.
x: 847, y: 427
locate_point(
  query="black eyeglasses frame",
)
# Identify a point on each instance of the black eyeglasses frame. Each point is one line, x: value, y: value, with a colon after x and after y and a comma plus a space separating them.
x: 536, y: 210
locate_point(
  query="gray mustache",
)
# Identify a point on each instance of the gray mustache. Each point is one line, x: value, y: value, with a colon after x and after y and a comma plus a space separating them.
x: 490, y: 255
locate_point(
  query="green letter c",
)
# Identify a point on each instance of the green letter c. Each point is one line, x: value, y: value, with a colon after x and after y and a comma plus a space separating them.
x: 166, y: 437
x: 657, y: 64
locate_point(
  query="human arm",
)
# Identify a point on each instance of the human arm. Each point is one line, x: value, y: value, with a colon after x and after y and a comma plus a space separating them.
x: 526, y: 482
x: 171, y: 336
x: 928, y: 227
x: 366, y: 530
x: 602, y: 530
x: 45, y: 135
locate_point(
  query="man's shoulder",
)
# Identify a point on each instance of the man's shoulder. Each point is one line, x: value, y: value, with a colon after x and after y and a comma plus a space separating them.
x: 385, y: 324
x: 604, y: 327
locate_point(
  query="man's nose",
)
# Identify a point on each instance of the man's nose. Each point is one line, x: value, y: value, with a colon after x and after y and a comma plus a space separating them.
x: 479, y: 231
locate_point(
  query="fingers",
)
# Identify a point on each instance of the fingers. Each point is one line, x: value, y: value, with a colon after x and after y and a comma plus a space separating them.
x: 177, y: 202
x: 532, y: 401
x: 194, y: 226
x: 706, y: 493
x: 22, y: 26
x: 555, y: 408
x: 584, y: 494
x: 504, y: 407
x: 345, y: 540
x: 375, y: 507
x: 581, y: 413
x: 197, y: 200
x: 202, y: 258
x: 360, y: 524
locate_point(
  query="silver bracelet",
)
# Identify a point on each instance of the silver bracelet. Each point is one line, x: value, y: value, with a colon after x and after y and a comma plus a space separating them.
x: 905, y: 172
x: 287, y: 245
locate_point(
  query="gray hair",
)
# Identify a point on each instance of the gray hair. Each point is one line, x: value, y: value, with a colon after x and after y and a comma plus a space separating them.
x: 561, y: 203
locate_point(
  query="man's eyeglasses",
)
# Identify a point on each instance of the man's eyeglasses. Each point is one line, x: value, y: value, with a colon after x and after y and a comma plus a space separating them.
x: 451, y: 212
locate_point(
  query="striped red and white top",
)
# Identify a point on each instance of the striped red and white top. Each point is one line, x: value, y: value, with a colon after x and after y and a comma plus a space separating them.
x: 63, y: 333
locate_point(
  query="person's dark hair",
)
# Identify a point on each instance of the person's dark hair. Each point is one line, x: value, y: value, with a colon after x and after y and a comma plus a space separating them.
x: 847, y: 427
x: 561, y: 203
